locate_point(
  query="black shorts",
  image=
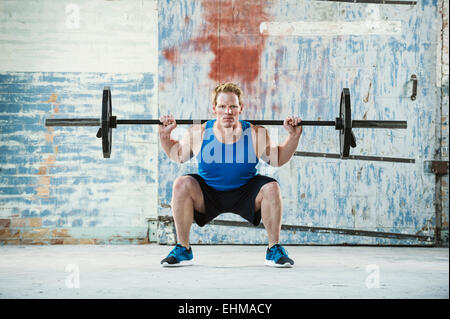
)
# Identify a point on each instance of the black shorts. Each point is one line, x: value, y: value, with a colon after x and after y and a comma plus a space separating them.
x: 240, y: 201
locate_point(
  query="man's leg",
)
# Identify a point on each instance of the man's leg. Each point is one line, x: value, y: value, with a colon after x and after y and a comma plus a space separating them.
x: 186, y: 196
x: 271, y: 205
x: 270, y: 202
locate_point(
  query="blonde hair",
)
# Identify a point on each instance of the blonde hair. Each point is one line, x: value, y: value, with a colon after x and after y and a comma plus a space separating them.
x: 228, y: 88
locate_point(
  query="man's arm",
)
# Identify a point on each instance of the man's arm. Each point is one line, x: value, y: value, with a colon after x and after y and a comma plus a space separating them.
x: 178, y: 151
x: 287, y: 149
x: 280, y: 154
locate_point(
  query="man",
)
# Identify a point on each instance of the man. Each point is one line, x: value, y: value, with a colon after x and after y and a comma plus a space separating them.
x: 227, y: 152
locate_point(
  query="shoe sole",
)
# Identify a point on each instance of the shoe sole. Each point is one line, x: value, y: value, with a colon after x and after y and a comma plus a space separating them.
x: 180, y: 264
x: 271, y: 263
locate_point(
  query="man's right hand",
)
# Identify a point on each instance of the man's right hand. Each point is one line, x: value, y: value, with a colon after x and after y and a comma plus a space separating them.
x: 178, y: 151
x: 168, y: 125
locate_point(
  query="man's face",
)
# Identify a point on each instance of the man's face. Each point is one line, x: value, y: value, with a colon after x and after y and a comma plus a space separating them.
x: 227, y: 109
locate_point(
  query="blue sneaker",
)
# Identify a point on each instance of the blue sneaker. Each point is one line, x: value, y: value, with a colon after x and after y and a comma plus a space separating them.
x: 277, y: 256
x: 179, y: 256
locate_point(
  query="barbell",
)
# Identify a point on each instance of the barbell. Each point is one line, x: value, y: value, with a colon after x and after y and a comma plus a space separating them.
x: 343, y: 124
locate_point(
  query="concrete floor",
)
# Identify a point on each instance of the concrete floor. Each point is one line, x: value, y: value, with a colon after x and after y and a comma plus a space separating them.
x: 85, y: 271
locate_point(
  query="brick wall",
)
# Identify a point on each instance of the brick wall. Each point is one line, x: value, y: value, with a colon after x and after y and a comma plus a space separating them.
x: 55, y: 186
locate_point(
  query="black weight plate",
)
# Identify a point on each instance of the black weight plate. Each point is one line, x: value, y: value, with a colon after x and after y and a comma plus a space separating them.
x: 106, y: 117
x: 345, y: 134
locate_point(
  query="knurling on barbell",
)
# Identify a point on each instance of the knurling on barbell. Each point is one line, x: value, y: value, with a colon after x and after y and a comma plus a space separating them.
x: 344, y: 123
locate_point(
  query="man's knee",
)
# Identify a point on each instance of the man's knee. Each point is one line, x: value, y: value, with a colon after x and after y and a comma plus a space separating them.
x: 271, y: 191
x: 183, y: 186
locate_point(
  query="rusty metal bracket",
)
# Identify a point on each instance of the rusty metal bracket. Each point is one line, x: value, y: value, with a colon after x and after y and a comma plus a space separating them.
x: 168, y: 221
x: 396, y: 2
x: 357, y: 157
x: 439, y: 167
x: 414, y: 88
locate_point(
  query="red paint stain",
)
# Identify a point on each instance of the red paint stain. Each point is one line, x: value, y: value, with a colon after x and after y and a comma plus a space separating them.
x: 276, y: 108
x: 170, y: 55
x: 44, y: 181
x: 238, y: 63
x: 53, y: 100
x: 231, y: 33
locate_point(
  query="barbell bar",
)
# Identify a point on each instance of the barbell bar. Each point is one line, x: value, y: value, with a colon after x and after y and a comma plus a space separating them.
x: 97, y: 123
x: 344, y: 123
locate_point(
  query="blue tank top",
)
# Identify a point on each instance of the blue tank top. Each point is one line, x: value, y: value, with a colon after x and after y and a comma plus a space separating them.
x: 227, y: 166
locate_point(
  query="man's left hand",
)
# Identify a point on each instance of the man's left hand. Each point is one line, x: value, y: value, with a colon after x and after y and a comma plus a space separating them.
x: 291, y: 125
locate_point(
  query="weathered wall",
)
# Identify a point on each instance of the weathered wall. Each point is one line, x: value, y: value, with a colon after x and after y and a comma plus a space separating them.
x: 56, y: 57
x: 443, y: 83
x: 291, y: 57
x: 294, y: 57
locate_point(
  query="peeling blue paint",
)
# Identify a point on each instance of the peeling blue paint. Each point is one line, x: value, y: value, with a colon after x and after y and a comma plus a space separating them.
x: 28, y: 214
x: 77, y: 223
x: 304, y: 76
x: 61, y: 170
